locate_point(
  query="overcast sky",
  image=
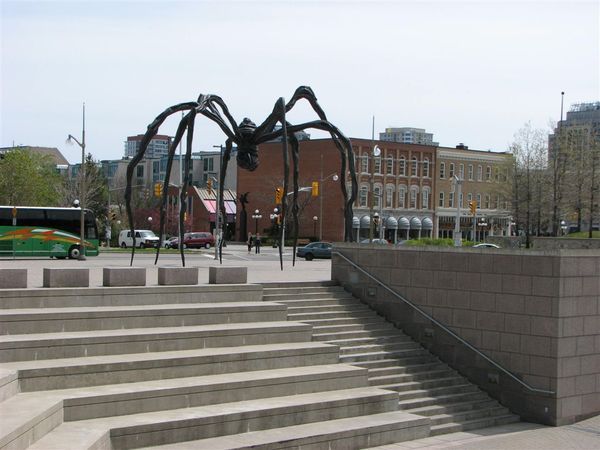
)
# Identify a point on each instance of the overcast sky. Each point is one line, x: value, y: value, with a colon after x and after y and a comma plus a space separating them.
x: 471, y: 72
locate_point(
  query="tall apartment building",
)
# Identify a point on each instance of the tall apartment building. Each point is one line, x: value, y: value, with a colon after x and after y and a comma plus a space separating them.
x: 408, y: 135
x: 158, y: 146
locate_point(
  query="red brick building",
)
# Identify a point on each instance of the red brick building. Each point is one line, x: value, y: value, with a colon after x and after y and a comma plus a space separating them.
x: 401, y: 178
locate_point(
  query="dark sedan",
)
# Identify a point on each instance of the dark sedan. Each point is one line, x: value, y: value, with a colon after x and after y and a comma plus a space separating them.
x: 315, y: 250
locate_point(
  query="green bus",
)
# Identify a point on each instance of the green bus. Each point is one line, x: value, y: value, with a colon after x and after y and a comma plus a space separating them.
x: 40, y: 231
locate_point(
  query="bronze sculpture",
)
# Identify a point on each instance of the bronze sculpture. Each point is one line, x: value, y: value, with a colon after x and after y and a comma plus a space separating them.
x: 246, y: 136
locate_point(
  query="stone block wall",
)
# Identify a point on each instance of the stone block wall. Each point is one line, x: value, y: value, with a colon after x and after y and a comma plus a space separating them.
x: 535, y: 313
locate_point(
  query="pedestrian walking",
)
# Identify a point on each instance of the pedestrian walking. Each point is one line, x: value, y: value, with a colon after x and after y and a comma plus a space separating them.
x: 249, y: 242
x: 257, y: 243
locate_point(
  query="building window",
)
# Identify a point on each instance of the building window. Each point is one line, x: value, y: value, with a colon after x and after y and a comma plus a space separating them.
x: 377, y: 197
x: 498, y: 204
x: 377, y: 165
x: 402, y: 197
x: 426, y: 168
x: 469, y: 197
x: 488, y: 173
x: 461, y: 200
x: 479, y: 173
x: 389, y: 197
x: 402, y: 164
x: 442, y: 170
x: 413, y: 198
x: 461, y: 171
x: 451, y: 174
x: 425, y: 199
x: 487, y: 201
x: 140, y: 171
x: 389, y: 169
x: 470, y: 172
x: 414, y: 169
x: 208, y: 165
x: 441, y: 201
x: 451, y: 200
x: 363, y: 194
x: 364, y: 164
x: 478, y: 201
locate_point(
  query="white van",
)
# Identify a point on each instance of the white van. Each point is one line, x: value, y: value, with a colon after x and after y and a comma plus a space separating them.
x: 143, y: 239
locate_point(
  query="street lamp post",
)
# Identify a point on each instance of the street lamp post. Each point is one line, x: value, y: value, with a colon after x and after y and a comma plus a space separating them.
x: 256, y: 216
x: 81, y: 187
x: 315, y: 218
x: 376, y: 153
x: 218, y: 224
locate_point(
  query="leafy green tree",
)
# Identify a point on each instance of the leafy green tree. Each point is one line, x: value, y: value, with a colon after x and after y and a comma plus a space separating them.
x: 28, y: 178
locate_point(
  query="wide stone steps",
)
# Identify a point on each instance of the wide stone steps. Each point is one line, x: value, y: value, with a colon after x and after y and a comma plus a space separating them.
x: 124, y: 368
x: 474, y: 424
x: 345, y: 301
x: 387, y: 347
x: 316, y: 297
x: 138, y: 340
x: 26, y: 413
x: 425, y: 385
x: 53, y: 320
x: 336, y: 327
x: 348, y: 434
x: 180, y: 425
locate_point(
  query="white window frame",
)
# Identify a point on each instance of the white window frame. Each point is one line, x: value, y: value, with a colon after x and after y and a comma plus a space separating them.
x: 441, y: 200
x: 389, y: 169
x: 442, y: 170
x: 426, y: 168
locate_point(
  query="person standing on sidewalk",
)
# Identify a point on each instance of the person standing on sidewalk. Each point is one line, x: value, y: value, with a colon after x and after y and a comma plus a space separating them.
x: 249, y: 242
x: 257, y: 243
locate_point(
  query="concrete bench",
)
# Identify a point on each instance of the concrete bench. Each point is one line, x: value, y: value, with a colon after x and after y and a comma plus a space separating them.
x: 124, y: 276
x: 13, y: 278
x: 227, y: 275
x: 177, y: 275
x: 63, y: 277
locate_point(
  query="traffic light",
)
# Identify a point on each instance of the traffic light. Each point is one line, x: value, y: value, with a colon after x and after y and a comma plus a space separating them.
x: 158, y: 189
x: 315, y: 188
x: 278, y: 195
x: 209, y: 186
x: 473, y: 207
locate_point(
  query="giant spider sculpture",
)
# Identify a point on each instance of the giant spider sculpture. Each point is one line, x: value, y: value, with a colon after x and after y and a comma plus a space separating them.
x: 246, y: 136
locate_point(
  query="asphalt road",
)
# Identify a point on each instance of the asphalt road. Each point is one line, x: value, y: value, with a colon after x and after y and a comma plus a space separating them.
x: 263, y: 267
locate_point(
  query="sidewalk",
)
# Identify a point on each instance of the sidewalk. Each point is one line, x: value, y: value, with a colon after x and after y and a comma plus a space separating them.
x: 584, y: 435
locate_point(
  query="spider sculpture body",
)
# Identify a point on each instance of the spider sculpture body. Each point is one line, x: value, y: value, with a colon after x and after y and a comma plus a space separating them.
x: 247, y: 136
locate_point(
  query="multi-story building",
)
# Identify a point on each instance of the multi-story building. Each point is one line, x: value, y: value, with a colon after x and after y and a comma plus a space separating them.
x: 158, y: 146
x: 408, y: 135
x: 400, y: 179
x: 484, y: 179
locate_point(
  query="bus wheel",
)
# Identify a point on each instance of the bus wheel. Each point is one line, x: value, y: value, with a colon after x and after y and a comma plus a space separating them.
x: 74, y: 252
x: 123, y: 245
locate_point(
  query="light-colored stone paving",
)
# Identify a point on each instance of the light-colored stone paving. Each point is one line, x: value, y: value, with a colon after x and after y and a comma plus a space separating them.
x: 584, y: 435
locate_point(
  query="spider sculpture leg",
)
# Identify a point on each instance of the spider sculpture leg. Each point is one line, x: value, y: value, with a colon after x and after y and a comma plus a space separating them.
x: 152, y: 131
x: 220, y: 209
x: 186, y: 180
x: 178, y: 135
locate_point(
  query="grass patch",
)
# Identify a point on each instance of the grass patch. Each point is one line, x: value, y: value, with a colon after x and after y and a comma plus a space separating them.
x: 583, y: 235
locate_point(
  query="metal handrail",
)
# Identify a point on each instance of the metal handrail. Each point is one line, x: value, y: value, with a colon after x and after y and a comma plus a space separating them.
x: 446, y: 329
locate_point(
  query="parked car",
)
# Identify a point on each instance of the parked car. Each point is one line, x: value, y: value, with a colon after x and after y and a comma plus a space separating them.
x: 375, y: 241
x: 198, y: 239
x: 171, y: 242
x: 314, y: 250
x: 143, y: 239
x: 486, y: 245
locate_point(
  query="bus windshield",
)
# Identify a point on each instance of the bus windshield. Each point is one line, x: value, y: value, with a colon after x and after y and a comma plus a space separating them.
x: 39, y: 231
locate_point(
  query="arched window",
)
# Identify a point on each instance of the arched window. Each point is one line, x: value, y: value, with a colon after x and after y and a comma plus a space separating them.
x: 377, y: 196
x: 363, y: 195
x: 414, y: 170
x: 402, y: 197
x: 425, y: 198
x: 389, y: 196
x: 414, y: 191
x: 402, y: 164
x: 426, y: 168
x: 389, y: 168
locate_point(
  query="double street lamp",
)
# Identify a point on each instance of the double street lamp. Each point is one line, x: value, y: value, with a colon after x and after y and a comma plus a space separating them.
x: 256, y: 216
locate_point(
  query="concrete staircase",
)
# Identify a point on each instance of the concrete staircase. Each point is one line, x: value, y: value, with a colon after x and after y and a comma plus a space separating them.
x: 426, y: 386
x: 212, y: 367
